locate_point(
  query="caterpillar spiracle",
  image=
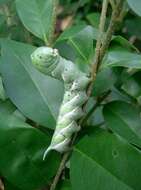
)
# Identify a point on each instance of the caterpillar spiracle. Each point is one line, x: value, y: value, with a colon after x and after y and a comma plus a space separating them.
x: 49, y: 62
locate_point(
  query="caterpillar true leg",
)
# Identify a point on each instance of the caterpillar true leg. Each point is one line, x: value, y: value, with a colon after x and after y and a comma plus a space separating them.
x: 49, y: 62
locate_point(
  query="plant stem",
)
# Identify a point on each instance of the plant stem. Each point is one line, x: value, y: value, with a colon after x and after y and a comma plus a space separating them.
x: 54, y: 17
x: 99, y: 40
x: 114, y: 20
x: 101, y: 47
x: 112, y: 4
x: 66, y: 155
x: 8, y: 15
x: 1, y: 184
x: 59, y: 171
x: 98, y: 44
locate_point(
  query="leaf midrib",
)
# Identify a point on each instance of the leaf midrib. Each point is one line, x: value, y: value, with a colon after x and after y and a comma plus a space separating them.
x: 77, y: 48
x: 37, y: 87
x: 40, y: 19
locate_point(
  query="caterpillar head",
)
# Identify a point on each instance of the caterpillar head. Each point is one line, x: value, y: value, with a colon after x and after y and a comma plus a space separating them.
x: 45, y: 58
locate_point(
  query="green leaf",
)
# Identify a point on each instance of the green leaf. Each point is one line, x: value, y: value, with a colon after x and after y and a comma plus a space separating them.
x: 131, y: 26
x: 2, y: 19
x: 37, y: 16
x: 18, y: 114
x: 9, y: 186
x: 71, y: 32
x: 124, y: 119
x: 66, y: 51
x: 118, y: 94
x: 135, y: 5
x: 104, y: 161
x: 93, y: 19
x: 4, y: 1
x: 105, y: 80
x: 119, y: 57
x: 81, y: 39
x: 37, y: 96
x: 22, y: 148
x: 7, y: 107
x: 123, y: 42
x: 132, y: 86
x: 65, y: 185
x: 75, y: 30
x: 2, y: 90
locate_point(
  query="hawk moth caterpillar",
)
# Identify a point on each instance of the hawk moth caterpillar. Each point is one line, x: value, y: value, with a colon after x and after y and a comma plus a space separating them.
x: 49, y: 62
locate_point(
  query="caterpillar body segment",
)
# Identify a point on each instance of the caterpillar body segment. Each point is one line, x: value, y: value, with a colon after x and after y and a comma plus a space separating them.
x: 49, y: 62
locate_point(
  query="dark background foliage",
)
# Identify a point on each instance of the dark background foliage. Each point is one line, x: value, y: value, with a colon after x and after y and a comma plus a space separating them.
x: 107, y: 153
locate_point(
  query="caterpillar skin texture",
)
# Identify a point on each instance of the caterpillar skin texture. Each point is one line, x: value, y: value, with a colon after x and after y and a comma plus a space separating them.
x: 49, y: 62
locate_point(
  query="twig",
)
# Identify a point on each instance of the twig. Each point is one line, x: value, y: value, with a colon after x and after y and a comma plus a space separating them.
x: 112, y: 4
x: 114, y: 20
x: 8, y: 15
x: 66, y: 155
x: 99, y: 40
x: 53, y: 26
x: 123, y: 12
x: 98, y: 45
x: 60, y: 169
x: 99, y: 54
x: 1, y: 185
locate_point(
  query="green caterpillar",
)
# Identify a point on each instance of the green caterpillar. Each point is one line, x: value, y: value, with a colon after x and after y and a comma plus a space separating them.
x: 49, y: 62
